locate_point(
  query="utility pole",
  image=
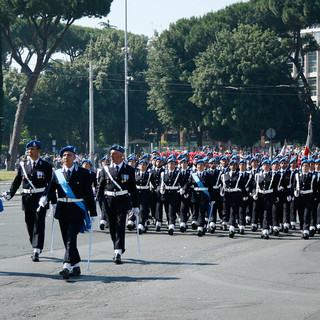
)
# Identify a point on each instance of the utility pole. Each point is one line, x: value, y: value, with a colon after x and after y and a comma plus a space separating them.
x: 91, y: 118
x: 126, y: 124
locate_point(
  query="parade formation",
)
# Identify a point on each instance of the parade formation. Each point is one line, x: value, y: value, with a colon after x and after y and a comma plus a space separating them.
x: 176, y: 193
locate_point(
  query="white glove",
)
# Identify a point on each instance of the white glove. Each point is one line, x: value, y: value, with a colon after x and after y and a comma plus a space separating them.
x: 43, y: 201
x: 186, y: 195
x: 162, y: 191
x: 136, y: 211
x: 289, y: 198
x: 255, y: 197
x: 6, y: 195
x: 222, y: 193
x: 181, y: 191
x: 296, y: 193
x: 245, y: 198
x: 212, y: 203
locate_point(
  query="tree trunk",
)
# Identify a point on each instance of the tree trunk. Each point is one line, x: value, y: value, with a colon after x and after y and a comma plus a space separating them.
x: 19, y: 118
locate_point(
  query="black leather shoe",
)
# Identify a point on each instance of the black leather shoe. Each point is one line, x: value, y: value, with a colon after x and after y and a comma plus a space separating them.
x: 224, y: 227
x: 286, y: 230
x: 194, y: 226
x: 158, y: 229
x: 130, y: 227
x: 293, y: 227
x: 182, y: 229
x: 140, y: 231
x: 64, y: 273
x: 266, y: 236
x: 101, y: 226
x: 75, y: 272
x: 241, y: 231
x: 276, y: 232
x: 170, y: 232
x: 231, y: 234
x: 318, y: 230
x: 35, y: 257
x: 200, y: 233
x: 312, y: 232
x: 305, y: 236
x: 212, y: 230
x: 254, y: 228
x: 117, y: 259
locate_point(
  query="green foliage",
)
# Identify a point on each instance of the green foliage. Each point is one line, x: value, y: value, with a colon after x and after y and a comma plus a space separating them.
x: 236, y: 86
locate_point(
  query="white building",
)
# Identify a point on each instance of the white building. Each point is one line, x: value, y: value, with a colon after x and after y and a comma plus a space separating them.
x: 312, y: 65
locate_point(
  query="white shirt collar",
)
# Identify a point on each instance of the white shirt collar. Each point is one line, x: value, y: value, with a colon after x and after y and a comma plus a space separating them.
x: 65, y: 169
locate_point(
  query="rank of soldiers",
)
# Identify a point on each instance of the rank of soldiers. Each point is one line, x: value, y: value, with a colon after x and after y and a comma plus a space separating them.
x: 272, y: 196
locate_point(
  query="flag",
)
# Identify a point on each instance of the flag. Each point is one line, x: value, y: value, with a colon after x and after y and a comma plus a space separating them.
x: 283, y: 150
x: 309, y: 137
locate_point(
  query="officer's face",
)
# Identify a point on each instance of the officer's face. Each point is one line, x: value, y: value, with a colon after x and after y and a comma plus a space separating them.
x: 68, y: 159
x: 143, y: 167
x: 233, y: 166
x: 86, y: 165
x: 184, y: 165
x: 317, y: 166
x: 116, y: 156
x: 171, y: 165
x: 213, y: 165
x: 275, y: 166
x: 132, y: 163
x: 200, y: 166
x: 293, y: 165
x: 34, y: 152
x: 283, y: 164
x: 254, y: 164
x: 311, y: 166
x: 242, y: 167
x: 266, y: 167
x: 305, y: 167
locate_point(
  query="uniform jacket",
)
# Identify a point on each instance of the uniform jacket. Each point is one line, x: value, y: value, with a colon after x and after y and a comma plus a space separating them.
x: 81, y: 186
x: 125, y: 178
x: 40, y: 176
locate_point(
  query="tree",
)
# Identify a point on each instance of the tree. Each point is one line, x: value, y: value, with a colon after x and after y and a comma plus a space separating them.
x: 288, y: 18
x: 242, y: 85
x: 42, y: 38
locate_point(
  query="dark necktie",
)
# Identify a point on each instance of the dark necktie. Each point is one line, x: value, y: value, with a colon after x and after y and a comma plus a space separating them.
x: 34, y: 165
x: 117, y: 169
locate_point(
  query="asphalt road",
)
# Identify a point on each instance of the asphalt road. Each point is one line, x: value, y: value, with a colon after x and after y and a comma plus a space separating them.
x: 175, y: 277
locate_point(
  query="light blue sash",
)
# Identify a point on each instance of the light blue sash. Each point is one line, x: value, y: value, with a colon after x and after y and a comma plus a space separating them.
x: 200, y: 184
x: 69, y: 193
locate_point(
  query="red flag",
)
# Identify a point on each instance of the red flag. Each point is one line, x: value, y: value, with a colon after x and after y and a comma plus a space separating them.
x: 308, y: 143
x: 283, y: 150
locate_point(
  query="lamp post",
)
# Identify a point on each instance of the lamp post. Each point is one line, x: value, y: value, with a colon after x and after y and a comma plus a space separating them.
x: 126, y: 132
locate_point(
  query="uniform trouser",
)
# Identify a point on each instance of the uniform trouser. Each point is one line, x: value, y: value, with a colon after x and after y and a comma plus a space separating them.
x: 232, y: 204
x: 263, y: 208
x: 171, y: 205
x: 144, y: 208
x: 159, y: 207
x: 293, y: 210
x: 103, y: 211
x: 256, y: 214
x: 153, y: 205
x: 201, y: 210
x: 281, y: 210
x: 305, y: 205
x: 318, y: 212
x: 184, y: 208
x: 216, y: 208
x: 243, y: 212
x: 249, y: 207
x: 35, y: 222
x: 314, y: 213
x: 117, y: 225
x: 69, y: 232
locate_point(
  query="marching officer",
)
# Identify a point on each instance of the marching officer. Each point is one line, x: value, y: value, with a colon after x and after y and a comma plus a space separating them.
x: 202, y: 195
x: 157, y: 201
x: 75, y: 195
x: 233, y: 190
x: 35, y: 174
x: 118, y: 190
x: 185, y: 172
x: 305, y: 191
x: 171, y: 181
x: 265, y: 195
x: 144, y: 183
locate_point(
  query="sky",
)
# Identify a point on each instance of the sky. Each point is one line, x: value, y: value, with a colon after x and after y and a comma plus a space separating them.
x: 145, y: 16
